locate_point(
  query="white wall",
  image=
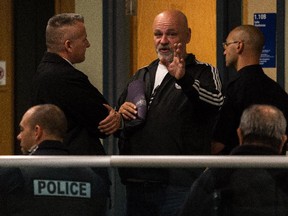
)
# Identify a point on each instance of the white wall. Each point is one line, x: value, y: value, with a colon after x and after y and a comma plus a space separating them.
x: 93, y: 65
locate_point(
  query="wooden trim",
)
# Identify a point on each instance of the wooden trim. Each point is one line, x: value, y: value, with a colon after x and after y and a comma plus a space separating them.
x: 64, y: 6
x: 7, y: 91
x: 133, y: 45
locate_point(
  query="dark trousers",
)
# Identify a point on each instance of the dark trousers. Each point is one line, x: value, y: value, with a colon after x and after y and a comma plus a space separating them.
x: 154, y: 199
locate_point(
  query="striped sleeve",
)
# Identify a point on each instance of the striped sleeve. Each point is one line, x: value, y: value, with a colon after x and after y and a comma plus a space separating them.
x: 209, y: 85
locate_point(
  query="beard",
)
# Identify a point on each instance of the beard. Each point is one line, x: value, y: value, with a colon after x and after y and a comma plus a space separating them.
x: 168, y: 56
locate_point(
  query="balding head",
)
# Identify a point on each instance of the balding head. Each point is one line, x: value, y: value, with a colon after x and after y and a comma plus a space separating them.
x: 251, y: 36
x: 175, y: 16
x: 263, y: 125
x: 170, y: 27
x: 40, y: 123
x: 243, y: 46
x: 50, y: 117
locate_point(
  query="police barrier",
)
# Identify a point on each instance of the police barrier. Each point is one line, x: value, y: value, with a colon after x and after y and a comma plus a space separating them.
x: 147, y: 161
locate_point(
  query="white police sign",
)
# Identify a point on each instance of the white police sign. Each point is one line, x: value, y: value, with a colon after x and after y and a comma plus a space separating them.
x: 44, y: 187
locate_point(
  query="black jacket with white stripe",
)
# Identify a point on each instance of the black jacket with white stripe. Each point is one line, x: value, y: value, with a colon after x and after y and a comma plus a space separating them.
x: 179, y: 120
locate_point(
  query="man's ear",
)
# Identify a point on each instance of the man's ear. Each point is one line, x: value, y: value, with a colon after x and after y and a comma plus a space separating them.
x: 240, y: 137
x: 189, y: 34
x: 283, y: 141
x: 284, y: 138
x: 38, y: 132
x: 67, y: 45
x: 240, y: 47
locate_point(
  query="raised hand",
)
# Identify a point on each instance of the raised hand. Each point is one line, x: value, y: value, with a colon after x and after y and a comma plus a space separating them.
x: 177, y: 67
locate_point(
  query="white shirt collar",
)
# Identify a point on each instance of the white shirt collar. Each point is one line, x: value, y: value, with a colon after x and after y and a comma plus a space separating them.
x: 33, y: 149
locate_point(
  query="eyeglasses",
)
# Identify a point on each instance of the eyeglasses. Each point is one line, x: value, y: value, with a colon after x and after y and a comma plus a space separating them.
x: 226, y: 44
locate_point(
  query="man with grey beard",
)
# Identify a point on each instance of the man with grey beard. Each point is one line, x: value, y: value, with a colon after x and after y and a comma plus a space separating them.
x: 182, y: 97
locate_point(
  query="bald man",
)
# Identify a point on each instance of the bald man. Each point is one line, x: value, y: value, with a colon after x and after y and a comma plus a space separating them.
x: 242, y: 50
x: 183, y: 96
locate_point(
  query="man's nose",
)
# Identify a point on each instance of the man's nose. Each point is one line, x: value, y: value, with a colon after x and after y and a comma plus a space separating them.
x: 88, y: 44
x: 164, y: 39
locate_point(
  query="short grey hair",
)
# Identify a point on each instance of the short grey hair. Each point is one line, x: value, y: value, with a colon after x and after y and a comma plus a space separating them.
x: 54, y: 30
x: 264, y: 124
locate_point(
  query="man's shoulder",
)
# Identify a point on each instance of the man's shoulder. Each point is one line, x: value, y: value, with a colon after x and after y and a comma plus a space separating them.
x: 55, y: 68
x: 53, y: 60
x: 51, y: 147
x: 52, y: 57
x: 150, y: 66
x: 141, y: 72
x: 192, y: 62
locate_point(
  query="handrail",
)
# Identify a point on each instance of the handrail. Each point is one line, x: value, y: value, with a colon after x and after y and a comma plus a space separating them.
x: 147, y: 161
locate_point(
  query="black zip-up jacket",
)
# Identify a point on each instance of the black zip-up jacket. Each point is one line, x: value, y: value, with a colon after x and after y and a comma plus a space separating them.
x: 178, y: 122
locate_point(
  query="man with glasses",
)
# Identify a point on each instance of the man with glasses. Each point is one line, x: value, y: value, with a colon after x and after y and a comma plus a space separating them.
x: 242, y: 50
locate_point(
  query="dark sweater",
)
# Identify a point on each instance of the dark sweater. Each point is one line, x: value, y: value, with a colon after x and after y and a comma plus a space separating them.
x: 240, y: 192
